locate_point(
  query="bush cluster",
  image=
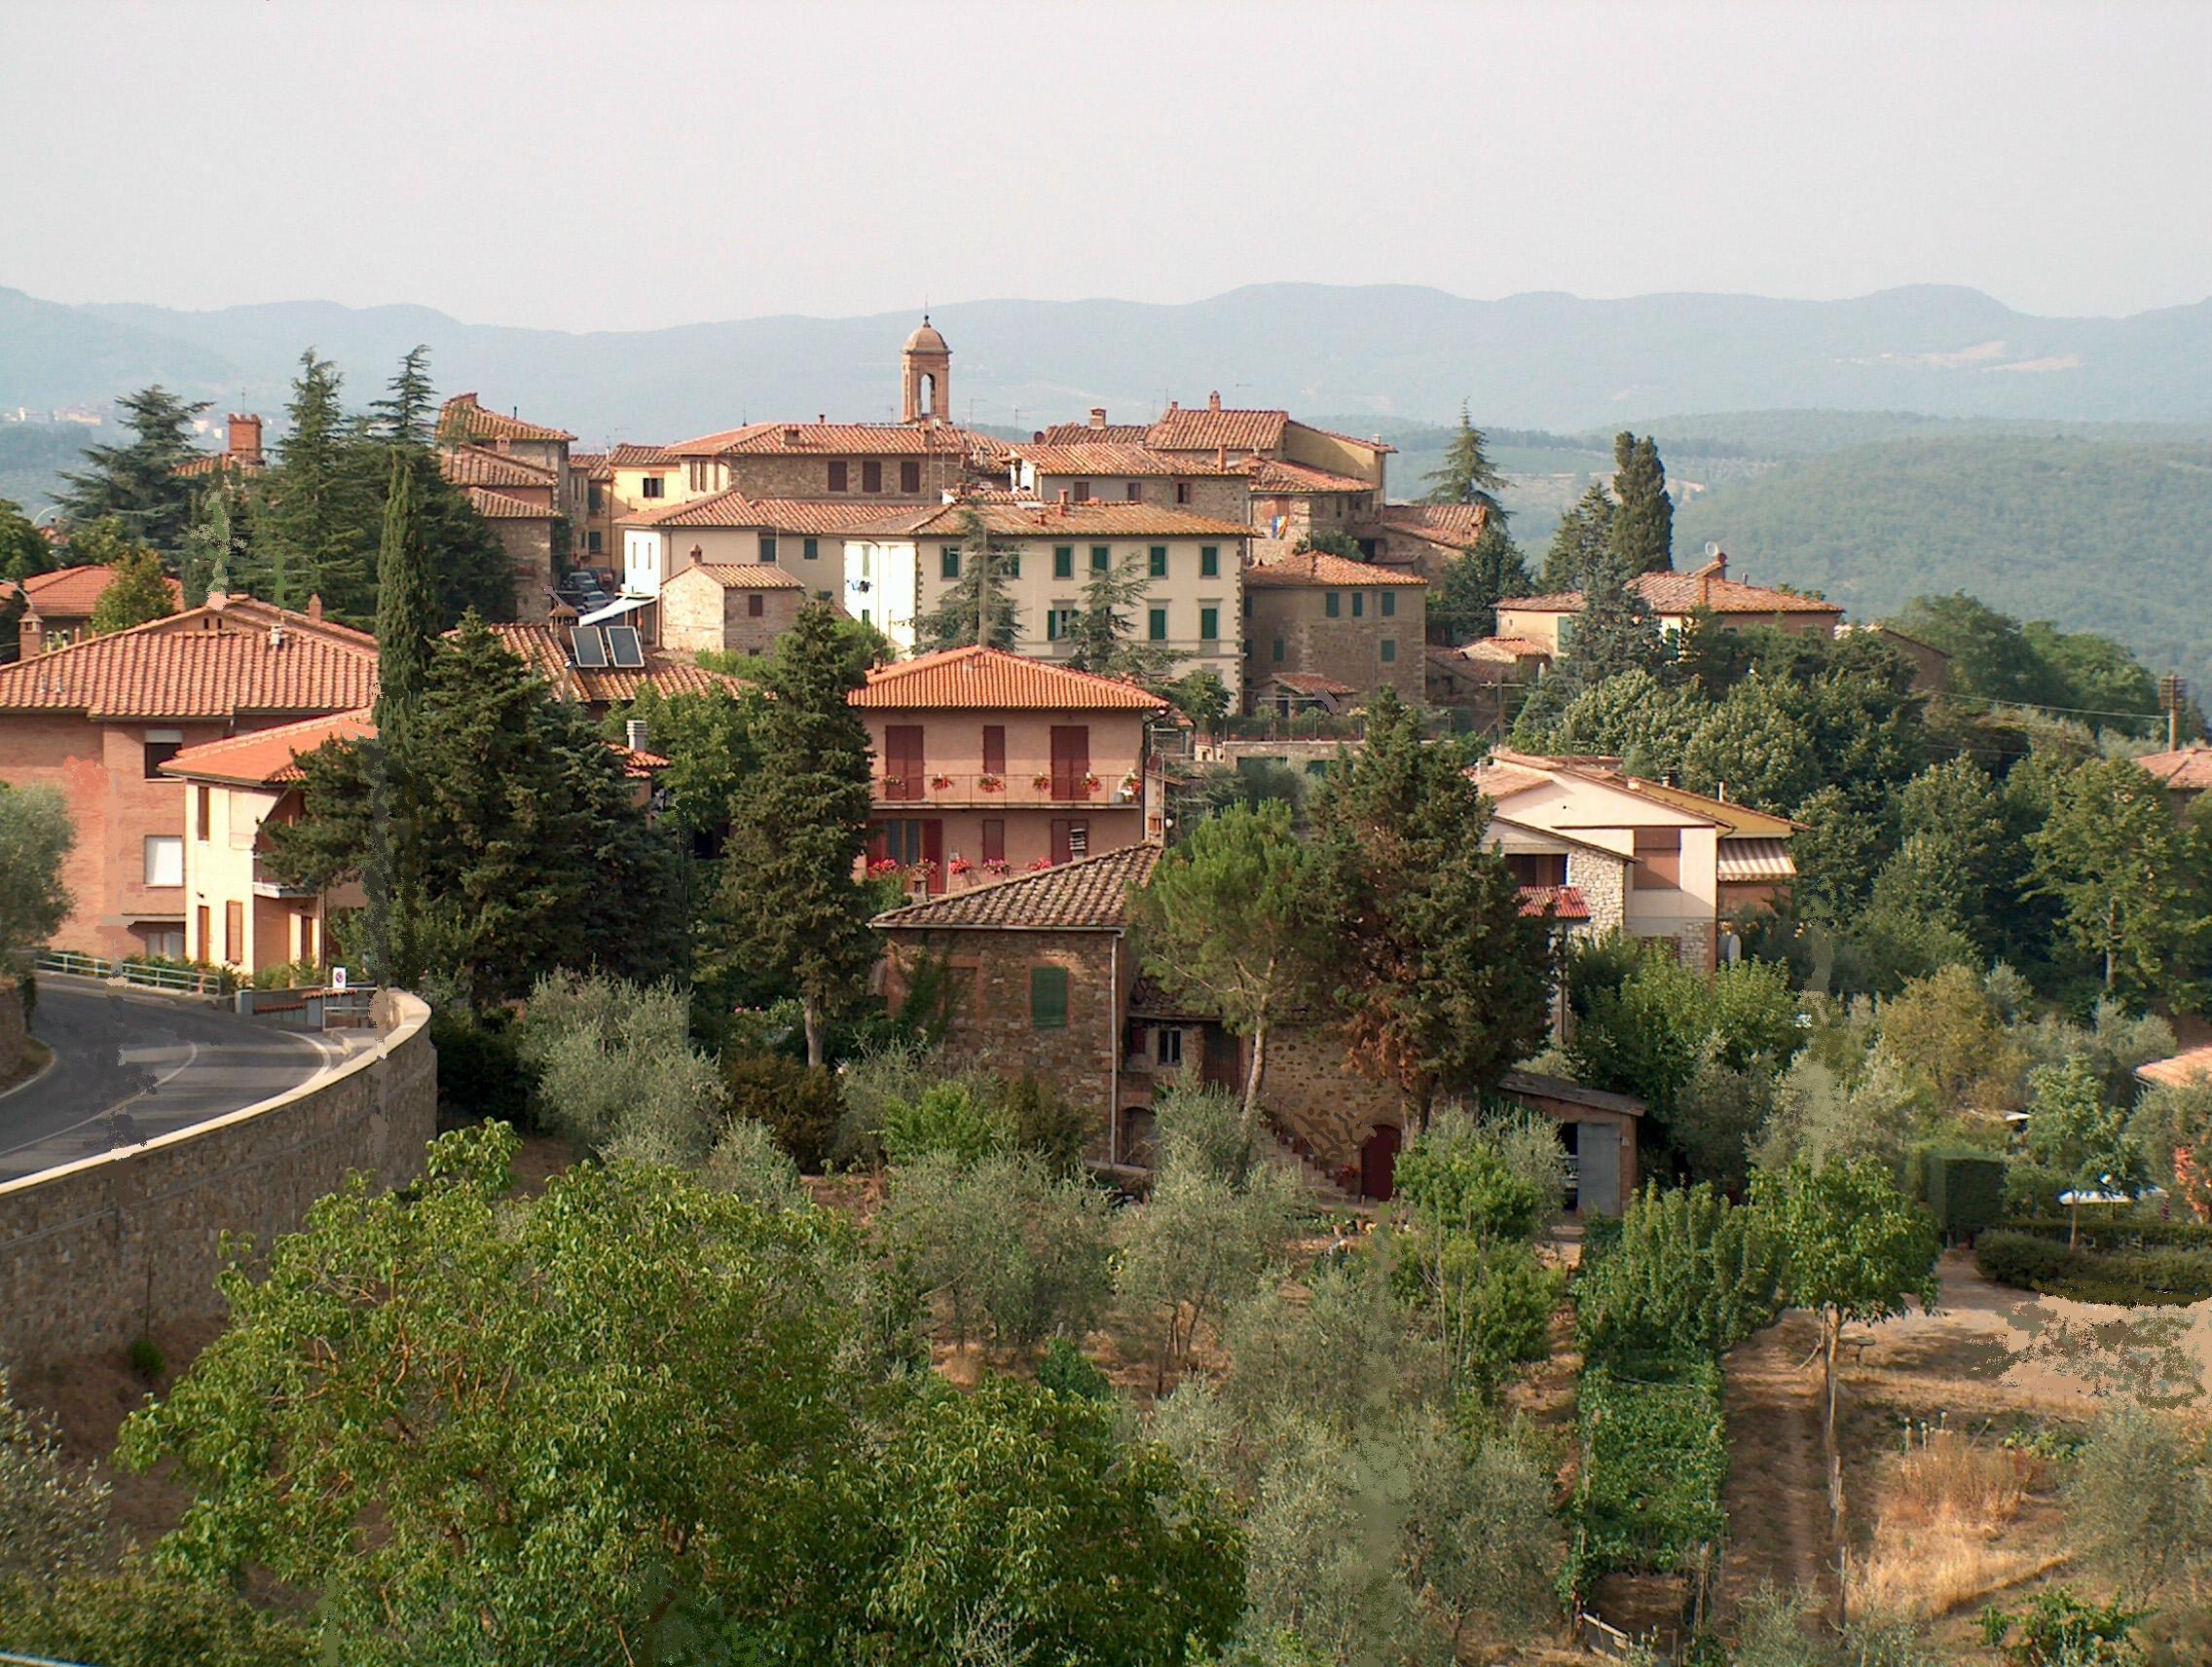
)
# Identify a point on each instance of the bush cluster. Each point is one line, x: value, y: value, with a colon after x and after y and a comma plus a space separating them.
x: 1655, y: 1455
x: 2029, y: 1261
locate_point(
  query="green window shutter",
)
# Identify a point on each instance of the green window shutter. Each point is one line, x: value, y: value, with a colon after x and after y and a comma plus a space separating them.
x: 1052, y: 625
x: 1390, y: 604
x: 767, y: 548
x: 1565, y: 632
x: 1049, y: 998
x: 1063, y: 561
x: 1158, y: 561
x: 1101, y: 557
x: 948, y: 562
x: 1390, y: 649
x: 1010, y: 565
x: 1332, y: 604
x: 1278, y: 652
x: 1359, y: 604
x: 1156, y: 625
x: 1209, y: 561
x: 1209, y: 624
x: 812, y: 550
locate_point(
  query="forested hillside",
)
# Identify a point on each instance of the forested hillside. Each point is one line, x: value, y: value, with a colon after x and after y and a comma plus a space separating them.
x: 2107, y: 536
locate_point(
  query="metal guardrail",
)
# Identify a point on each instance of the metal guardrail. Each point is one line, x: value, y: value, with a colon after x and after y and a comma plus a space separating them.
x: 183, y: 979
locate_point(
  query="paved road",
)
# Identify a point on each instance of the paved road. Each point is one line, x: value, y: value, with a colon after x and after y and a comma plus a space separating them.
x: 128, y: 1066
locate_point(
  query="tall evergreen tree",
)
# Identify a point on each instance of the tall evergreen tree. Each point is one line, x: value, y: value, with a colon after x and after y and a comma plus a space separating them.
x: 1444, y: 983
x: 137, y: 483
x: 407, y: 606
x: 1103, y: 636
x: 1583, y: 543
x: 323, y: 502
x: 1468, y: 476
x: 1463, y: 606
x: 405, y: 414
x: 1643, y: 526
x: 978, y: 596
x: 791, y: 906
x: 215, y: 544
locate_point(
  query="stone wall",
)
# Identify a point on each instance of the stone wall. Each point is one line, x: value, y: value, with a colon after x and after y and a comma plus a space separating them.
x: 529, y: 543
x: 1319, y: 1100
x: 807, y: 475
x: 1602, y: 883
x: 91, y: 1255
x: 1345, y: 647
x: 12, y: 1034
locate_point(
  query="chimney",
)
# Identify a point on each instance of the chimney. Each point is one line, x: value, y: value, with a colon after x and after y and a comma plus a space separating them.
x: 1063, y: 500
x: 1213, y: 400
x: 791, y: 435
x: 218, y: 600
x: 314, y: 606
x: 31, y: 636
x: 1221, y: 459
x: 1172, y: 407
x: 244, y: 442
x: 1098, y: 416
x: 634, y: 734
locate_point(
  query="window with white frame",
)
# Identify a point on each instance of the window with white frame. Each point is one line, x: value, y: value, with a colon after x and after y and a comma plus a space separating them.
x: 165, y: 859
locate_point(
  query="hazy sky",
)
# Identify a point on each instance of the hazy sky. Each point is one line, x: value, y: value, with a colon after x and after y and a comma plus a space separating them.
x: 614, y: 166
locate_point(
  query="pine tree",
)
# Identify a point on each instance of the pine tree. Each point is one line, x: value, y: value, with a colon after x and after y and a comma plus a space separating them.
x: 1583, y: 543
x: 215, y: 544
x: 403, y: 415
x: 1445, y: 984
x: 1468, y: 476
x: 23, y: 552
x: 323, y: 504
x: 1463, y: 606
x: 1103, y: 636
x: 979, y: 593
x: 1643, y: 526
x: 791, y: 906
x: 138, y: 482
x: 138, y: 592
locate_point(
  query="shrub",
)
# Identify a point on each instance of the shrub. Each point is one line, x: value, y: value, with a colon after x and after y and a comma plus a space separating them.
x: 1964, y: 1188
x: 616, y: 1071
x: 293, y: 974
x: 798, y: 1104
x: 2032, y: 1189
x: 948, y: 1119
x: 1067, y: 1370
x: 146, y: 1358
x: 1204, y: 1129
x: 1655, y: 1456
x: 2125, y: 1231
x: 480, y: 1068
x: 2060, y: 1630
x: 750, y: 1162
x: 1689, y: 1272
x: 1045, y: 1122
x: 2032, y: 1262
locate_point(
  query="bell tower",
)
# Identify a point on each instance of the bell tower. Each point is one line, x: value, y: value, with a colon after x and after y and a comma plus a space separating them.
x: 926, y: 376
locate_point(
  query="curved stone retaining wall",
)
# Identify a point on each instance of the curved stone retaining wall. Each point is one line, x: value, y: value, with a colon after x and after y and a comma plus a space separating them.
x: 95, y: 1253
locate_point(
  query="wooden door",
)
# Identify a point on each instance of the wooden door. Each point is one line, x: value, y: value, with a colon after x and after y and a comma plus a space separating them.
x: 234, y: 932
x: 932, y: 851
x: 903, y: 764
x: 1378, y: 1163
x: 1598, y: 1155
x: 1071, y: 759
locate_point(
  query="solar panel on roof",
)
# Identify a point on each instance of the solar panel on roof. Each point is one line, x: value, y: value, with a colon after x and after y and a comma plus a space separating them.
x: 623, y: 643
x: 590, y: 647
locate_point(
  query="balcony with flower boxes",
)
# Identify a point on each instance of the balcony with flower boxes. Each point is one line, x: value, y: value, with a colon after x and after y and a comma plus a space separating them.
x: 983, y: 790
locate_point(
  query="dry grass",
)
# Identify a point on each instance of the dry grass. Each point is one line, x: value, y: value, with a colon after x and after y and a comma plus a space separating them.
x: 1943, y: 1510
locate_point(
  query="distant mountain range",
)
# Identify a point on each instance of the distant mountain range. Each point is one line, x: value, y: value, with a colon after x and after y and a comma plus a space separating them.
x: 1394, y: 354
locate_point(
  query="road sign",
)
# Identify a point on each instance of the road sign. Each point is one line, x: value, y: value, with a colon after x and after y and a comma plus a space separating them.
x: 338, y: 978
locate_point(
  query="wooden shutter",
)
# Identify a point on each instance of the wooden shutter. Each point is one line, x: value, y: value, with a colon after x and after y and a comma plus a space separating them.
x: 903, y: 761
x: 1071, y: 759
x: 234, y: 932
x: 994, y: 749
x: 994, y: 838
x: 1049, y: 998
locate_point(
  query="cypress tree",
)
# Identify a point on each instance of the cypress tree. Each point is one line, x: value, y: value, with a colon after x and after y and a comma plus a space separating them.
x: 790, y: 906
x: 1643, y: 527
x: 407, y: 608
x: 1468, y: 476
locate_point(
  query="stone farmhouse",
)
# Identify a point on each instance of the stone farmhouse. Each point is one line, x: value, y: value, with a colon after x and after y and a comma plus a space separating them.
x: 517, y: 475
x: 1675, y: 599
x: 1355, y: 624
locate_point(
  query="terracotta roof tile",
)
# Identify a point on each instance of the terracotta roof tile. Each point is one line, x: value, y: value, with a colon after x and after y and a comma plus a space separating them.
x: 994, y: 679
x: 216, y: 463
x: 1318, y: 568
x: 546, y: 650
x: 1209, y: 429
x: 2189, y: 770
x: 733, y: 508
x: 1107, y: 457
x: 263, y: 757
x: 1273, y: 475
x: 1503, y: 781
x: 500, y: 507
x: 72, y: 593
x: 2193, y: 1065
x: 637, y: 764
x: 480, y: 466
x: 463, y: 410
x: 628, y: 455
x: 747, y: 575
x: 1454, y: 526
x: 1560, y: 902
x: 201, y: 663
x: 1090, y: 894
x: 1098, y: 518
x: 1685, y: 593
x: 1093, y: 435
x: 1503, y: 650
x: 836, y: 439
x: 1309, y: 682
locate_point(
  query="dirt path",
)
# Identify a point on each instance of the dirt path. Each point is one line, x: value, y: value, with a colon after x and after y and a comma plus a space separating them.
x: 1776, y: 1489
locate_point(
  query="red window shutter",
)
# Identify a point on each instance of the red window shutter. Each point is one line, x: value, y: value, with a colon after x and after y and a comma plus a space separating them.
x: 902, y: 761
x: 910, y: 476
x: 994, y: 749
x: 1060, y: 827
x: 872, y: 476
x: 994, y: 838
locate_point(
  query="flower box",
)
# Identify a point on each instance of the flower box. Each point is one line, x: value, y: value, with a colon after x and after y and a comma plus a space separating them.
x: 990, y: 784
x: 938, y: 784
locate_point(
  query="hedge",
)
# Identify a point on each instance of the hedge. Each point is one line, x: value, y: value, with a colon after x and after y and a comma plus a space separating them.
x: 2030, y: 1261
x: 1963, y: 1187
x: 2101, y: 1230
x: 1654, y: 1457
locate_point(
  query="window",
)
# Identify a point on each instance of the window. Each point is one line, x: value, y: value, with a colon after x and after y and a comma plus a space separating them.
x: 840, y: 475
x: 812, y: 549
x: 1156, y: 563
x: 901, y: 842
x: 234, y: 933
x: 591, y: 500
x: 1083, y: 491
x: 1658, y: 860
x: 994, y: 838
x: 1209, y: 624
x: 1182, y: 492
x: 1063, y: 561
x: 202, y: 798
x: 1134, y: 490
x: 767, y: 548
x: 1358, y: 603
x: 1101, y: 557
x: 164, y: 860
x: 1069, y: 840
x: 1209, y: 561
x: 1565, y: 631
x: 161, y: 745
x: 166, y: 942
x: 1059, y: 623
x: 591, y: 543
x: 1536, y: 868
x: 1278, y: 647
x: 1048, y: 998
x: 1167, y: 1046
x: 756, y: 606
x: 1332, y: 604
x: 1156, y: 625
x: 200, y: 920
x: 949, y: 561
x: 872, y: 476
x: 1010, y: 564
x: 1390, y: 602
x: 1390, y: 649
x: 994, y: 749
x: 652, y: 486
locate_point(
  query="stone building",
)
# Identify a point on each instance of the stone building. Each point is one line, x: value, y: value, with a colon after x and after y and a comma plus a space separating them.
x: 1037, y: 976
x: 96, y: 721
x: 463, y: 421
x: 1320, y: 615
x: 525, y: 530
x: 804, y: 537
x: 590, y: 508
x: 1676, y: 599
x: 733, y: 609
x: 1114, y: 472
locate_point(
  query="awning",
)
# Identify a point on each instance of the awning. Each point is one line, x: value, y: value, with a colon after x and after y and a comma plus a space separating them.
x: 616, y: 609
x: 1748, y: 860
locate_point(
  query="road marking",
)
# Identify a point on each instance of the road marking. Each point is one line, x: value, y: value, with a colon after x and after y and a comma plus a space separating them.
x: 192, y: 1053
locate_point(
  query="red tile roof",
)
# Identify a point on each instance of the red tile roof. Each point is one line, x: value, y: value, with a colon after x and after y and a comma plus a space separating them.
x: 746, y: 576
x: 1560, y: 902
x: 991, y: 679
x: 1210, y: 429
x: 2192, y: 1065
x: 834, y: 439
x: 1090, y: 894
x: 72, y: 593
x: 1093, y: 433
x: 1273, y: 476
x: 636, y: 764
x: 1318, y: 568
x: 592, y: 466
x: 204, y: 662
x: 1685, y: 593
x: 498, y: 506
x: 546, y: 650
x: 265, y: 758
x: 1503, y: 650
x: 480, y: 466
x: 628, y: 455
x: 1098, y: 518
x: 2189, y: 770
x: 1105, y: 458
x: 1452, y: 525
x: 1309, y: 682
x: 463, y: 411
x: 216, y: 463
x: 733, y: 508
